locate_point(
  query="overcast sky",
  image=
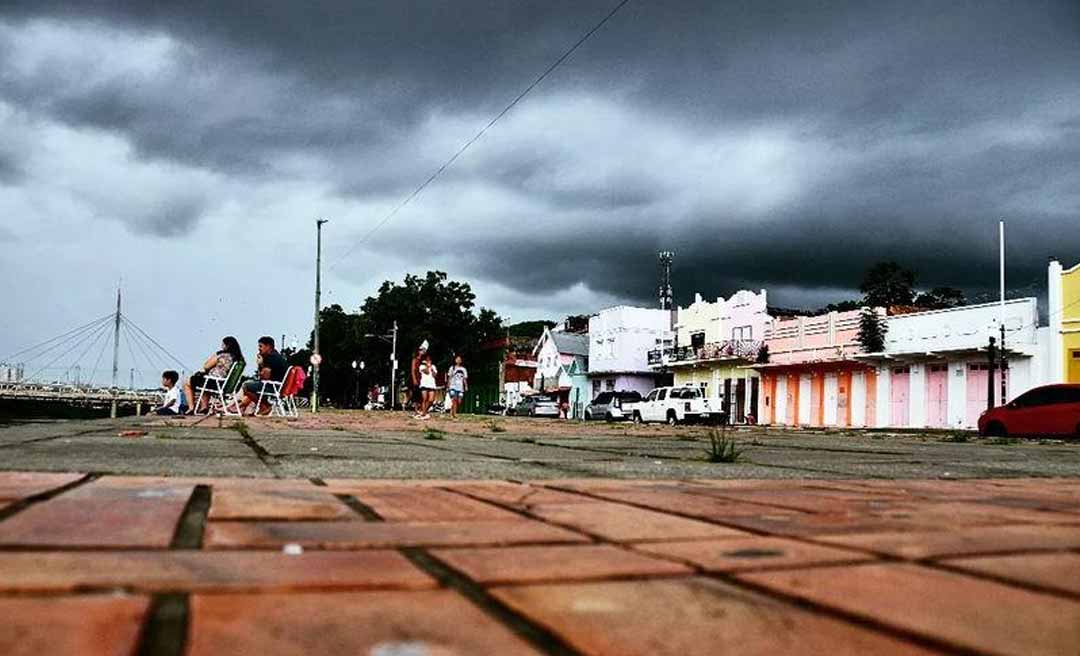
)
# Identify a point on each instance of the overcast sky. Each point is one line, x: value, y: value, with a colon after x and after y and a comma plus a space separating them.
x: 186, y: 148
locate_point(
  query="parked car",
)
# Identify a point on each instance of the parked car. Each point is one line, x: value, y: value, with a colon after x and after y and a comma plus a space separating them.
x: 609, y: 405
x: 496, y: 409
x: 675, y: 405
x: 1046, y: 410
x: 535, y: 406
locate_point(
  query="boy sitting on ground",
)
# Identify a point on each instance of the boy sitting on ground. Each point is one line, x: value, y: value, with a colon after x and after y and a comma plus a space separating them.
x: 171, y: 404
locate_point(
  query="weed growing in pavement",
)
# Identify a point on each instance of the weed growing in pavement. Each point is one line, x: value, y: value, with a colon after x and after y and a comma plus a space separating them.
x: 722, y: 447
x: 956, y: 437
x: 164, y: 436
x: 496, y: 427
x: 1003, y: 440
x: 434, y: 434
x: 241, y: 428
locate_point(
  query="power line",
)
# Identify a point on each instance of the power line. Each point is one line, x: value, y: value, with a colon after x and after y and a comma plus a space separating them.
x: 416, y: 192
x: 79, y: 342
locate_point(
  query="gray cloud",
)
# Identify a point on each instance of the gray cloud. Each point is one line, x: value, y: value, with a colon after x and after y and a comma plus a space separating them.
x: 771, y: 144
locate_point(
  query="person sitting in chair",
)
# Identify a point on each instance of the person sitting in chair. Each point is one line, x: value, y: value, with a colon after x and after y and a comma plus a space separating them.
x: 217, y: 365
x: 272, y: 366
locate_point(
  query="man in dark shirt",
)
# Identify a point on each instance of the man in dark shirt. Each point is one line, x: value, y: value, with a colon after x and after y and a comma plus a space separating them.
x: 272, y: 366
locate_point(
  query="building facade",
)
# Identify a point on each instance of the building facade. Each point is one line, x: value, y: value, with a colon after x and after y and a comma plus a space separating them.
x: 717, y: 344
x: 620, y: 339
x: 812, y: 376
x: 1064, y: 320
x: 935, y: 371
x: 562, y: 363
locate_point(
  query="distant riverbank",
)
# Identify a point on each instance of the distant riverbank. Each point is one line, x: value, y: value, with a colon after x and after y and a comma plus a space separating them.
x: 20, y: 409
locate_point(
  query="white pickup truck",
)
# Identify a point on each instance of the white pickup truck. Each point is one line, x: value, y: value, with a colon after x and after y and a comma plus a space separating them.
x: 674, y: 405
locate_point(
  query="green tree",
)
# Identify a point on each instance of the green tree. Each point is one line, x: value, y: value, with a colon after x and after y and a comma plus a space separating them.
x: 872, y: 329
x: 940, y: 298
x: 886, y: 284
x: 430, y: 308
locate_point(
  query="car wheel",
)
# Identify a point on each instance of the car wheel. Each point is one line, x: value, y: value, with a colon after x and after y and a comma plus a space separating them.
x: 672, y: 418
x: 608, y: 417
x: 588, y: 416
x: 638, y: 419
x: 996, y: 429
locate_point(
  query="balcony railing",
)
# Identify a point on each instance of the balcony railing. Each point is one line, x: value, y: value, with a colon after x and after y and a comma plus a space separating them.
x: 732, y: 349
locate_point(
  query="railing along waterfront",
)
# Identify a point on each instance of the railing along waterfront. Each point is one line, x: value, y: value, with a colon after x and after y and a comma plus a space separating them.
x: 732, y: 349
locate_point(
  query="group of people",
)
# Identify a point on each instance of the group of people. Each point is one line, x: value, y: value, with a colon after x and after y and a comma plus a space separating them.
x: 270, y: 365
x: 423, y: 383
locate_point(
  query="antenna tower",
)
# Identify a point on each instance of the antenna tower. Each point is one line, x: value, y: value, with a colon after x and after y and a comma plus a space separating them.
x: 667, y: 301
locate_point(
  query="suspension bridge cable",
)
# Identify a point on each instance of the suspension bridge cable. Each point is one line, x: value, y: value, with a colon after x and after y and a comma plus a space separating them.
x: 416, y: 192
x: 74, y: 346
x: 101, y: 353
x: 89, y: 346
x: 152, y: 340
x: 141, y: 347
x: 127, y: 343
x: 53, y: 339
x: 68, y: 338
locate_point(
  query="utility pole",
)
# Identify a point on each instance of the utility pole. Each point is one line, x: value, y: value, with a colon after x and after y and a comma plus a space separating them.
x: 393, y: 364
x: 315, y: 357
x: 115, y: 354
x: 1001, y: 320
x: 991, y: 353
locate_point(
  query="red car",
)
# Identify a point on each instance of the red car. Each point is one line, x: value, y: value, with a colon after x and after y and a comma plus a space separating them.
x: 1047, y: 410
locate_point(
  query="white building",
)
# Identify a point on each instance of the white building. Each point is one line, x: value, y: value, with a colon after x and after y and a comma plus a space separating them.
x: 620, y: 339
x: 934, y: 370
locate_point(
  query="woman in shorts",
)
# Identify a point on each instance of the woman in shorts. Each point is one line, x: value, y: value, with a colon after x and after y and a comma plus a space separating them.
x: 427, y: 386
x: 457, y: 383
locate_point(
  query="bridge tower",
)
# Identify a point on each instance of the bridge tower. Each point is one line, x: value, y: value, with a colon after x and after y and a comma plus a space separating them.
x: 116, y: 340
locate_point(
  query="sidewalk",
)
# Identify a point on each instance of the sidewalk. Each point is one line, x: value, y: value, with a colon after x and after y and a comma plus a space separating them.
x: 121, y: 565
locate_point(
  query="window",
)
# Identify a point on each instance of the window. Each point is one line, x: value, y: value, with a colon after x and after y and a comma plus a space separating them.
x: 595, y: 387
x: 652, y: 396
x: 697, y: 340
x: 742, y: 332
x: 662, y: 395
x: 901, y: 370
x: 1036, y: 397
x: 602, y: 399
x: 609, y: 384
x: 938, y: 368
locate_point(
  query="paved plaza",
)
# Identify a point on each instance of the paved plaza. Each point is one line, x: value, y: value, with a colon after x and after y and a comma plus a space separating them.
x: 375, y: 534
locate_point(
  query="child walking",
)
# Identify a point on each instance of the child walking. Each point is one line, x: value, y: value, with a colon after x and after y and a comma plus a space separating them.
x: 457, y: 383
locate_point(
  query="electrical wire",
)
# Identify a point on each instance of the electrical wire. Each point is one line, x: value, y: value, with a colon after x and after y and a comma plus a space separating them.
x: 74, y: 346
x: 416, y: 192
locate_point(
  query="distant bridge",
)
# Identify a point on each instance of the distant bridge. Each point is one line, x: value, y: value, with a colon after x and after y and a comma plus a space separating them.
x: 63, y: 368
x: 78, y: 394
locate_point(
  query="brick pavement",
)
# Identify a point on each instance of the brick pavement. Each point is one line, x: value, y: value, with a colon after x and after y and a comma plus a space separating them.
x: 141, y: 565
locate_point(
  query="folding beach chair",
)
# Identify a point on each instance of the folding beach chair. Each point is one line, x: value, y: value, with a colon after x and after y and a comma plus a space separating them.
x: 222, y: 391
x: 280, y: 394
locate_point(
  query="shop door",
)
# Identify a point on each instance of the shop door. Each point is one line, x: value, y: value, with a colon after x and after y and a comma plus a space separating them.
x: 899, y: 390
x: 977, y: 373
x: 937, y: 396
x: 791, y: 410
x: 740, y: 400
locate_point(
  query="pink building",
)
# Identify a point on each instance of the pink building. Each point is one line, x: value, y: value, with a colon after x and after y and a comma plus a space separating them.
x: 812, y: 377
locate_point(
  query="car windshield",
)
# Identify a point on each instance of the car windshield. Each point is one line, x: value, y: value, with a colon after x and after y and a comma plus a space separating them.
x: 605, y: 397
x: 629, y: 397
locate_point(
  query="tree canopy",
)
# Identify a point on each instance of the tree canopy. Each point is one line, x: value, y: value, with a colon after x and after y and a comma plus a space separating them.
x: 886, y: 284
x: 430, y: 308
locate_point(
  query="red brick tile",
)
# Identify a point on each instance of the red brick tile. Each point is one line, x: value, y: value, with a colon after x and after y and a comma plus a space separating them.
x: 739, y: 554
x: 966, y: 513
x: 89, y: 625
x: 376, y: 623
x: 355, y: 535
x: 962, y: 541
x: 100, y: 515
x: 960, y: 610
x: 201, y: 571
x: 627, y: 524
x: 555, y: 563
x: 17, y: 485
x: 1053, y: 571
x: 404, y: 504
x: 521, y: 496
x: 283, y: 504
x: 685, y: 503
x: 792, y: 522
x: 688, y: 617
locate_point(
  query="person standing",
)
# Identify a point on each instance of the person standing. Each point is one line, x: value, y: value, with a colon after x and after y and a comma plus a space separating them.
x: 415, y: 395
x: 457, y: 383
x: 427, y: 372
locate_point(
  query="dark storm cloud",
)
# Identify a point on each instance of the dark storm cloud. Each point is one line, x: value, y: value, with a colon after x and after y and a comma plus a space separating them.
x: 10, y: 171
x: 913, y: 127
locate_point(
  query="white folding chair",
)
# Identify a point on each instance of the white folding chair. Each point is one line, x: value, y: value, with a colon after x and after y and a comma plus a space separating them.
x: 221, y: 391
x: 271, y: 392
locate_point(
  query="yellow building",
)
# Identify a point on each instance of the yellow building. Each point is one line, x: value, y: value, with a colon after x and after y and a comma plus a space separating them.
x: 716, y: 344
x: 1064, y: 316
